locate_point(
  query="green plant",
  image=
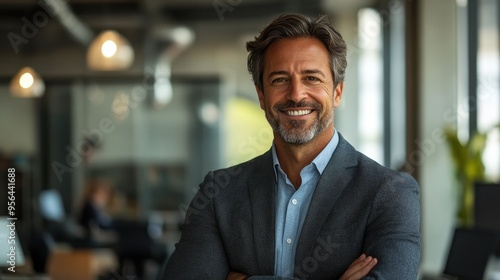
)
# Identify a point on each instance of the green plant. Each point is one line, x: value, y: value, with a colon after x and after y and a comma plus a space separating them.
x: 469, y: 168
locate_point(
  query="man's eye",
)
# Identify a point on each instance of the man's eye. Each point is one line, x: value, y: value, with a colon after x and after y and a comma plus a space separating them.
x: 312, y: 79
x: 279, y: 81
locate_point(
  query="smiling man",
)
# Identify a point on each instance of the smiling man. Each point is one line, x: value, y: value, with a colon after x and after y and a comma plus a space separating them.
x: 312, y: 207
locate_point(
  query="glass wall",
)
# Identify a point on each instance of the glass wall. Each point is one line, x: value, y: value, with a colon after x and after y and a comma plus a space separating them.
x: 371, y: 117
x: 488, y: 90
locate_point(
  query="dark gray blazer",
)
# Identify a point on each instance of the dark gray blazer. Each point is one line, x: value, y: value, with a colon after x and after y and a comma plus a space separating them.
x: 358, y: 207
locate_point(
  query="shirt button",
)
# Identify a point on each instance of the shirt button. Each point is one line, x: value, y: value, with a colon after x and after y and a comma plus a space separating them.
x: 294, y: 201
x: 288, y: 240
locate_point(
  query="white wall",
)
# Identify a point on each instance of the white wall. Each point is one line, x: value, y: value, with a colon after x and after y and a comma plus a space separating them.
x: 347, y: 115
x: 17, y: 124
x: 437, y: 106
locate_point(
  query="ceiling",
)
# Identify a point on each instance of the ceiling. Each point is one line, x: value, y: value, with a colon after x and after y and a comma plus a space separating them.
x: 211, y: 21
x: 133, y: 17
x: 141, y: 14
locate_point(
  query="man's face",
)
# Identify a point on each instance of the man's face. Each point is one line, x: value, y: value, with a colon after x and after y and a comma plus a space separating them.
x: 298, y: 94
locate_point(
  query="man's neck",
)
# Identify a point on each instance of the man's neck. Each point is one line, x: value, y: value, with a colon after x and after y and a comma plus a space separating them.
x: 293, y: 158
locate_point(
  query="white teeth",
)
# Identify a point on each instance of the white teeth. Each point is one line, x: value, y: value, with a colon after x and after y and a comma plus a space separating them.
x: 298, y: 113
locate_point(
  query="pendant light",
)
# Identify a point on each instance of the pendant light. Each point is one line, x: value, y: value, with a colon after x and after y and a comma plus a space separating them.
x: 27, y: 83
x: 110, y: 51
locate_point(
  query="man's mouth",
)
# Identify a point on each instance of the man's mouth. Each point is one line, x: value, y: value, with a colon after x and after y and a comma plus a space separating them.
x: 297, y: 112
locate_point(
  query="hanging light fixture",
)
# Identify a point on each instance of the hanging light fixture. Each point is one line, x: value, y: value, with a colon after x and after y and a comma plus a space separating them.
x: 27, y: 83
x: 175, y: 41
x: 110, y: 51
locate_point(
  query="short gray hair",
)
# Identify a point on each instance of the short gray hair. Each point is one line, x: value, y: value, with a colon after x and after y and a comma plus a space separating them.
x: 298, y: 26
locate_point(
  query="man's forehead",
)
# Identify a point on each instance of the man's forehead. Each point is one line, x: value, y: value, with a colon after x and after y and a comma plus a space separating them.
x: 307, y: 56
x: 305, y: 48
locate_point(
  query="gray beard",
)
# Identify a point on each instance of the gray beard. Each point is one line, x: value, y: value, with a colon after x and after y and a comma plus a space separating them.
x: 298, y: 134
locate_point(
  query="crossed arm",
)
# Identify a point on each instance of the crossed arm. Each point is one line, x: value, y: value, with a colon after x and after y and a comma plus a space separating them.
x: 357, y: 270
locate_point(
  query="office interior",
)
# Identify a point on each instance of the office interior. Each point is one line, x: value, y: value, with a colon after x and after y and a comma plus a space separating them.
x: 180, y: 102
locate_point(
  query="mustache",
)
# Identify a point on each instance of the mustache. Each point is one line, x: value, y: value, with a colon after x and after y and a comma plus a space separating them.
x: 301, y: 104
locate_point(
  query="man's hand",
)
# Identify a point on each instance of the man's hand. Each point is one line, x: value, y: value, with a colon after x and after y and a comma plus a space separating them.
x: 235, y: 276
x: 359, y: 268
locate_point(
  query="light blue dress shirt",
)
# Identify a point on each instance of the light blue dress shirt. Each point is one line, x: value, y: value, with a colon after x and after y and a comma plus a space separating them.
x: 292, y: 206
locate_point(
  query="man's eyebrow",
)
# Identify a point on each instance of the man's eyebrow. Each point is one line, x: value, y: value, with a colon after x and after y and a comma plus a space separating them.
x: 274, y: 73
x: 308, y: 71
x: 314, y: 71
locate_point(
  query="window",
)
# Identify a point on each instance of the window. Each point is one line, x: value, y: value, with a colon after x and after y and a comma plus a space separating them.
x: 488, y: 95
x: 371, y: 107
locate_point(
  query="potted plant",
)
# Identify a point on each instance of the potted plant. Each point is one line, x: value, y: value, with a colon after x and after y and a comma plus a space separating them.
x: 469, y: 168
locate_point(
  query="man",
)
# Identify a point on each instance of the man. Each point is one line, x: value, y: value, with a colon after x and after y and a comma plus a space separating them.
x: 312, y: 207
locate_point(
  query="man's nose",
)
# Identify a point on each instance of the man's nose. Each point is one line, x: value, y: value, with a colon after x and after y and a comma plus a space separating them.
x: 297, y: 90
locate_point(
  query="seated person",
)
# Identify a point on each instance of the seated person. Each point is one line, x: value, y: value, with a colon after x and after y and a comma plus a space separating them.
x: 133, y: 241
x: 93, y: 213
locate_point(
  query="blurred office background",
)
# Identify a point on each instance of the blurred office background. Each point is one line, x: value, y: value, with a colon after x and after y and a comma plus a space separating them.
x: 179, y: 101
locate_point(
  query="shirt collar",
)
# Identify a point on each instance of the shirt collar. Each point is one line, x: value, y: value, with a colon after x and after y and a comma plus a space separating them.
x: 321, y: 159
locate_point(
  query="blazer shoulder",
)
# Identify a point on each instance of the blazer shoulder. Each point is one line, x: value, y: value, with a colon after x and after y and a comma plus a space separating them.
x: 366, y: 170
x: 375, y: 172
x: 233, y: 179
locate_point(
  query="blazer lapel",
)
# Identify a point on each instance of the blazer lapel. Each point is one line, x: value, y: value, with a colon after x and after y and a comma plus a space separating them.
x: 335, y: 177
x: 262, y: 198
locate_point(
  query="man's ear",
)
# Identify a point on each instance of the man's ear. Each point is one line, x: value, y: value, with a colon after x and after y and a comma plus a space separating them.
x: 260, y: 94
x: 337, y: 94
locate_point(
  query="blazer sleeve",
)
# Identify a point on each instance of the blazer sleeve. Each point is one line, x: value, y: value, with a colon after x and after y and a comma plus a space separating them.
x: 393, y: 231
x: 200, y: 252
